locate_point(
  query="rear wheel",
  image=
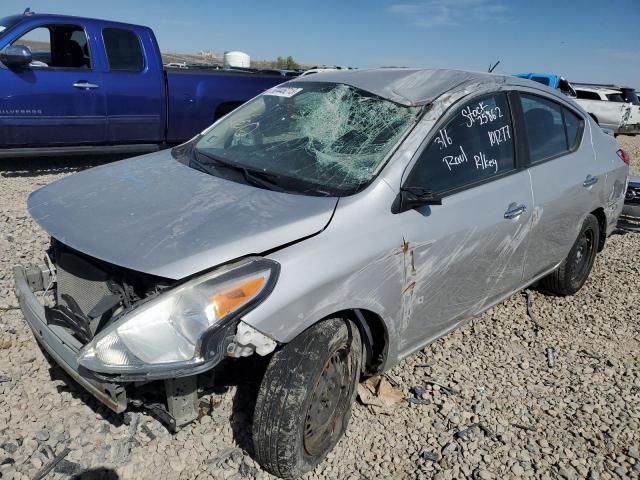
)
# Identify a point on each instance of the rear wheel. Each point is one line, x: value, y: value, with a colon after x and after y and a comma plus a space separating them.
x: 573, y: 272
x: 304, y: 403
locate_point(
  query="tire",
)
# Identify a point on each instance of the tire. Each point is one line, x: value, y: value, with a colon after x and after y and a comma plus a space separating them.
x: 305, y: 397
x: 574, y: 270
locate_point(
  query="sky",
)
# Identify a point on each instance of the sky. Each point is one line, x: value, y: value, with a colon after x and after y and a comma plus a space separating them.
x: 582, y: 40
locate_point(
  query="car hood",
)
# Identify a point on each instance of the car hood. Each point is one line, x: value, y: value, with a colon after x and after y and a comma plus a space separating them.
x: 155, y: 215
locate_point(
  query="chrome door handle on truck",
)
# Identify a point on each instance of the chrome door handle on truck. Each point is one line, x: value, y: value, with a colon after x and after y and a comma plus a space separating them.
x: 85, y: 85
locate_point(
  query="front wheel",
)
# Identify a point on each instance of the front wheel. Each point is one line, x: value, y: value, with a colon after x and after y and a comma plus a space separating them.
x: 574, y: 270
x: 304, y: 402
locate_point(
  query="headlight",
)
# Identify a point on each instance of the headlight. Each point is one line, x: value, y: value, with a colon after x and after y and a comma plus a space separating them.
x: 174, y: 330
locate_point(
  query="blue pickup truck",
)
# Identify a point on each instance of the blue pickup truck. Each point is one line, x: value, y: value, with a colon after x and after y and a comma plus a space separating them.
x: 71, y: 85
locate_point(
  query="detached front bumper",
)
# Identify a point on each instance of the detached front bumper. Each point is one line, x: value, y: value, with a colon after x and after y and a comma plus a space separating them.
x: 59, y: 343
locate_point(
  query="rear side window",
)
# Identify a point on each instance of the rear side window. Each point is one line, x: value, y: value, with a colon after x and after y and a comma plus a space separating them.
x: 124, y: 51
x: 474, y: 146
x: 586, y: 95
x: 574, y: 125
x: 551, y: 128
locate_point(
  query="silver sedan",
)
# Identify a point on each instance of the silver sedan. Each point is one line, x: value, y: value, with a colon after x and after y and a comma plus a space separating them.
x: 333, y: 225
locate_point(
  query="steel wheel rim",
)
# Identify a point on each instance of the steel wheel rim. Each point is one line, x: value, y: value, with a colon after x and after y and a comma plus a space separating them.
x: 324, y: 418
x: 584, y: 250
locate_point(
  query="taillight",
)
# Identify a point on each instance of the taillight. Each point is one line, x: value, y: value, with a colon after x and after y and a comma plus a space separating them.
x: 624, y: 156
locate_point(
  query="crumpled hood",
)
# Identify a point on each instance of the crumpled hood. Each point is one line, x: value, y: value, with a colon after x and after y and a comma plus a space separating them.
x: 155, y: 215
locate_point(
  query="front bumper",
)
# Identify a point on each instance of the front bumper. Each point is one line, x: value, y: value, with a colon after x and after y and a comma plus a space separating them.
x: 632, y: 129
x: 630, y: 216
x: 58, y: 343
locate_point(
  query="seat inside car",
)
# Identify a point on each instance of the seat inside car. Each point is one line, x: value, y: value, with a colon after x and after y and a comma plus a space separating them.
x: 72, y: 55
x: 545, y: 136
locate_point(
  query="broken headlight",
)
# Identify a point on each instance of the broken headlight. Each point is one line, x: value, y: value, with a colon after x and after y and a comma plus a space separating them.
x: 171, y: 332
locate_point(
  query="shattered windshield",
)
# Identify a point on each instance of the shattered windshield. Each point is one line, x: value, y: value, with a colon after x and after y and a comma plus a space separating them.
x: 315, y: 137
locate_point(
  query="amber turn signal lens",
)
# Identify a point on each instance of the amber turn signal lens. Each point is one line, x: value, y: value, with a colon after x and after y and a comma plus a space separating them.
x: 230, y: 300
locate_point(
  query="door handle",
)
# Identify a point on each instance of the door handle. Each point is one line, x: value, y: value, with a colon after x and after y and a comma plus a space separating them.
x: 515, y: 211
x: 590, y: 180
x: 86, y: 85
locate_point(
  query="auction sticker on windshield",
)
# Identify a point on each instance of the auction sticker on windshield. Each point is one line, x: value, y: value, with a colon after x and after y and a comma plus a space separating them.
x: 286, y: 92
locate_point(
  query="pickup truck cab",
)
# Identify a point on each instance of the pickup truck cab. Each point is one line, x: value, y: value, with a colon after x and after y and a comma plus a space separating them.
x: 69, y: 83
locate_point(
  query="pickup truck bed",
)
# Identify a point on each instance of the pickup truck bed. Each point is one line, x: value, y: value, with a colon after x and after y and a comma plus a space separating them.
x: 101, y: 84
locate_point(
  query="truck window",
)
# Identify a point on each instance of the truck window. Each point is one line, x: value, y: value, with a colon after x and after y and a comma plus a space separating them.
x: 542, y: 80
x: 123, y: 50
x: 57, y: 46
x: 586, y: 95
x: 615, y: 97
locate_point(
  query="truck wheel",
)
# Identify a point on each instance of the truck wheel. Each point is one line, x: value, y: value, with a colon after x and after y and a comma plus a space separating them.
x: 304, y: 402
x: 574, y: 270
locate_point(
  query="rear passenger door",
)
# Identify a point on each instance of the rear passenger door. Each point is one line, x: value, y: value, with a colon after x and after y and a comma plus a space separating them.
x: 468, y: 252
x: 134, y: 84
x: 565, y: 177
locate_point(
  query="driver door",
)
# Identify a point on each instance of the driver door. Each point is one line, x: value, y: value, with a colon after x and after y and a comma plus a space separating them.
x: 467, y: 253
x: 56, y: 100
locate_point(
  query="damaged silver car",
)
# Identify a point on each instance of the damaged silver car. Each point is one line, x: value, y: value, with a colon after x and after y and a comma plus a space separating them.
x: 333, y: 225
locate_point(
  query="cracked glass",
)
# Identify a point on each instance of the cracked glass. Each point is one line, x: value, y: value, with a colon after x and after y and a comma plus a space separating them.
x: 332, y: 138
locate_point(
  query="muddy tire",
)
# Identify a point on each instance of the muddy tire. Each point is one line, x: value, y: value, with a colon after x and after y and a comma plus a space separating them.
x: 305, y: 397
x: 573, y: 272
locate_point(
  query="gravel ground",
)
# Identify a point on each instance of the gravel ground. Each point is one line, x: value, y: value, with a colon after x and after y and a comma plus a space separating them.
x: 555, y: 394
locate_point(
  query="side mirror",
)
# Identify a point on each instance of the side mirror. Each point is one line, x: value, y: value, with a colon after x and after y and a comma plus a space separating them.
x: 413, y: 197
x: 16, y: 56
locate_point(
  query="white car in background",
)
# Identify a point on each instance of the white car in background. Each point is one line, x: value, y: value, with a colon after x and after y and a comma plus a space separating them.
x: 608, y: 108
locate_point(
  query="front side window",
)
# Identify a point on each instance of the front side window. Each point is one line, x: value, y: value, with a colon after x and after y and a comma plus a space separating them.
x: 124, y: 51
x: 310, y: 137
x: 474, y: 146
x: 57, y: 46
x: 551, y: 128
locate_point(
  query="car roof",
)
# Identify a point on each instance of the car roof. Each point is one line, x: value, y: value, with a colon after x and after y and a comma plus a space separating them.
x: 410, y: 86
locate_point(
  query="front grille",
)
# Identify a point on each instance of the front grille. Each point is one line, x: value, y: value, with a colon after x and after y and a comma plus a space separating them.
x: 81, y: 281
x: 633, y: 194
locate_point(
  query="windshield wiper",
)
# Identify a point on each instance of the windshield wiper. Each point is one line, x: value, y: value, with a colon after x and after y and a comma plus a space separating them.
x: 260, y: 178
x: 253, y: 177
